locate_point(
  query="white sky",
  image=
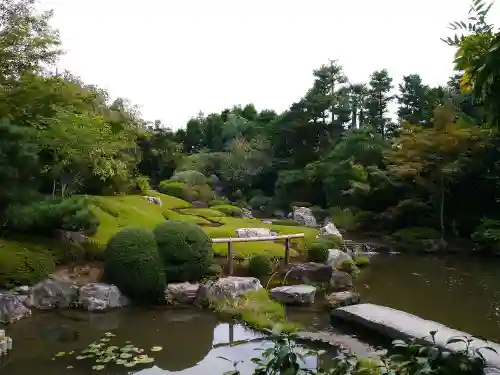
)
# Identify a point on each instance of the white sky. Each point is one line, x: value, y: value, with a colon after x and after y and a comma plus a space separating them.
x: 174, y: 58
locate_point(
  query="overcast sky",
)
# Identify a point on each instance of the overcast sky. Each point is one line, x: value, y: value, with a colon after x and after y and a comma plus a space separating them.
x: 174, y: 58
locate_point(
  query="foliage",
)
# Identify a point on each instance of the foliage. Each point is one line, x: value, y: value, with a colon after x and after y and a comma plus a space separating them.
x: 143, y: 183
x: 416, y: 236
x: 133, y: 264
x: 45, y: 216
x: 348, y: 266
x: 256, y: 309
x: 175, y: 216
x: 203, y: 212
x: 317, y: 251
x: 259, y: 201
x: 104, y: 353
x: 176, y: 189
x: 191, y: 178
x: 217, y: 201
x: 228, y: 210
x: 487, y: 234
x: 344, y: 218
x: 287, y: 222
x: 24, y: 263
x: 185, y: 250
x: 260, y: 266
x: 361, y: 261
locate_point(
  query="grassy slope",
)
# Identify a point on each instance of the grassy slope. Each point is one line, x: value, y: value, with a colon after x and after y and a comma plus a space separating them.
x: 116, y: 213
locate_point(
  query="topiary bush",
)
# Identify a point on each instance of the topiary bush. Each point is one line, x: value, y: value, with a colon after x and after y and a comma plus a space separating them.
x: 185, y: 250
x: 174, y: 188
x: 260, y: 266
x: 203, y: 193
x: 228, y: 209
x: 219, y: 201
x: 143, y: 184
x: 133, y: 264
x: 334, y: 242
x: 260, y: 201
x: 191, y: 178
x: 317, y: 251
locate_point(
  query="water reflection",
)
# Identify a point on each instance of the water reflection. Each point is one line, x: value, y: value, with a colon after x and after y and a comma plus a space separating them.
x: 192, y: 341
x: 459, y: 292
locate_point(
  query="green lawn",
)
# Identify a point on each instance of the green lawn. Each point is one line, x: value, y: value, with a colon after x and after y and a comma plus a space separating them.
x: 203, y: 212
x: 118, y: 212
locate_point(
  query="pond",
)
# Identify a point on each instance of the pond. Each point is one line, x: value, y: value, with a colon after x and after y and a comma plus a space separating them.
x: 458, y: 291
x: 192, y: 341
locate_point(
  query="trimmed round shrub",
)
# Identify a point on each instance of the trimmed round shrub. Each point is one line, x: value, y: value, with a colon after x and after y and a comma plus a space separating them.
x: 228, y: 210
x: 192, y: 178
x: 334, y: 242
x: 132, y: 263
x: 174, y: 188
x: 185, y: 250
x: 260, y: 201
x: 317, y: 251
x: 260, y: 266
x: 204, y: 193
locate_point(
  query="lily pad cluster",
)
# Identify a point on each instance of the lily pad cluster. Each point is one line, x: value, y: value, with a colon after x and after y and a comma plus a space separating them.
x: 102, y: 354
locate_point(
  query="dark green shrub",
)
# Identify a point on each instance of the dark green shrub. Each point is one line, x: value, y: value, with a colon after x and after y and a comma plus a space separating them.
x: 214, y: 270
x: 185, y: 250
x: 347, y: 266
x: 487, y: 234
x: 287, y: 222
x: 204, y: 193
x: 416, y: 236
x: 260, y: 201
x: 334, y: 242
x: 317, y: 251
x: 260, y: 266
x: 174, y: 188
x: 191, y: 178
x: 319, y: 213
x: 23, y: 265
x: 45, y: 216
x: 132, y: 263
x: 228, y: 210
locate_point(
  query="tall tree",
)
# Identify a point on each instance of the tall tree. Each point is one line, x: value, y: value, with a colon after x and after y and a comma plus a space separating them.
x: 357, y: 97
x: 377, y: 102
x: 413, y: 101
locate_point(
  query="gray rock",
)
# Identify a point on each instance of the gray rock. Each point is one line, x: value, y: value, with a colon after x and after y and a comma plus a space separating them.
x: 154, y: 200
x: 337, y: 257
x: 341, y: 282
x: 397, y: 324
x: 329, y: 229
x: 226, y: 288
x: 23, y: 290
x: 246, y: 213
x: 184, y: 293
x: 253, y: 232
x: 267, y: 222
x: 290, y: 215
x: 309, y: 272
x: 101, y: 297
x: 49, y: 294
x: 12, y: 308
x: 73, y: 237
x: 294, y: 294
x: 304, y: 216
x: 339, y: 299
x: 279, y: 214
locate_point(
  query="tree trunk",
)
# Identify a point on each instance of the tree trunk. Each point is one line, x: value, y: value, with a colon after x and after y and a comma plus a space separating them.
x: 441, y: 215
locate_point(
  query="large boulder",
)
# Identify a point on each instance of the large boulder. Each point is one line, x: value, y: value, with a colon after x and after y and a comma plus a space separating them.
x: 339, y: 299
x: 101, y: 297
x: 154, y: 200
x: 227, y: 288
x: 337, y: 257
x: 304, y: 216
x: 254, y: 232
x: 50, y: 294
x: 294, y: 294
x: 12, y: 308
x: 329, y: 229
x: 184, y: 293
x: 309, y: 272
x: 246, y: 213
x: 341, y: 282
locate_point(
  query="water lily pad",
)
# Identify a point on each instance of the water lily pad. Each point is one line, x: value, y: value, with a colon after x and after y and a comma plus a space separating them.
x: 98, y: 367
x: 130, y: 364
x: 109, y: 334
x: 120, y: 361
x: 145, y: 360
x: 81, y: 357
x: 69, y: 367
x: 105, y: 339
x: 156, y: 348
x: 125, y: 355
x: 60, y: 354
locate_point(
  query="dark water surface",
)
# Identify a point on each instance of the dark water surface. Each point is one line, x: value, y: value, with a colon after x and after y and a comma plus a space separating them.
x: 192, y: 341
x: 460, y: 292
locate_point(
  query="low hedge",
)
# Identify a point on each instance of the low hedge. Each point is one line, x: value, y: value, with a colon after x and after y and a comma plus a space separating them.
x: 228, y: 210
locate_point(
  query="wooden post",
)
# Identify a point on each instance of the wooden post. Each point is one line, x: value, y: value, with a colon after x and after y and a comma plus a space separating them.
x: 229, y: 257
x: 231, y: 333
x: 287, y: 251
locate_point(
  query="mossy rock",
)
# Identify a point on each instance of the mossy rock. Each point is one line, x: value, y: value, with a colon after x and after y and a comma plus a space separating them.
x: 133, y: 264
x: 185, y: 250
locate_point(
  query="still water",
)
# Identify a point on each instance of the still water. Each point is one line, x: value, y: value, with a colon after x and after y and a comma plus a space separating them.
x: 460, y: 292
x: 192, y: 341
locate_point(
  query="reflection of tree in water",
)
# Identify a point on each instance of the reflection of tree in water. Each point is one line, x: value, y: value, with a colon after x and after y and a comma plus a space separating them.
x: 186, y: 342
